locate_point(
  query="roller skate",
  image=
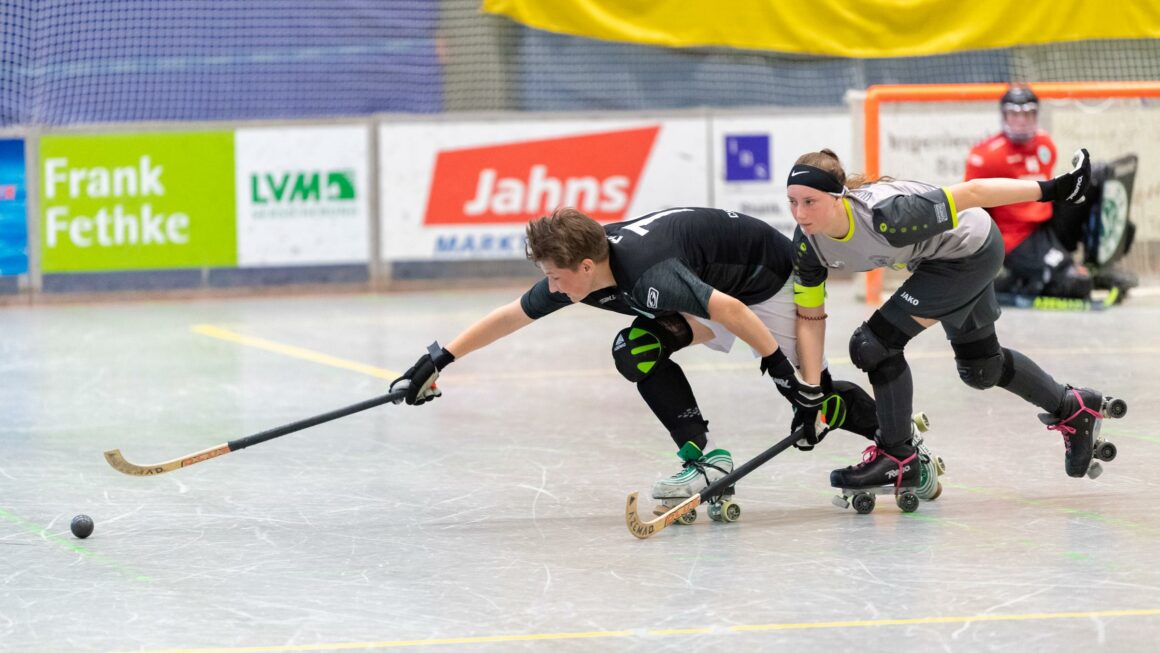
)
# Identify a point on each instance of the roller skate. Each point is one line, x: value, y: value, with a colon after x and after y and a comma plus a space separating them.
x: 880, y: 473
x: 697, y: 472
x: 1079, y: 420
x: 930, y: 466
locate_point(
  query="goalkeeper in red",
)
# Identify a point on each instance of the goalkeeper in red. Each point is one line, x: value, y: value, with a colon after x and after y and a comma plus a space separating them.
x: 1039, y: 238
x: 953, y: 251
x: 683, y: 276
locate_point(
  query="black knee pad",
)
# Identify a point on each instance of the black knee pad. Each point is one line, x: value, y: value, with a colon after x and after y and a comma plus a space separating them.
x: 982, y: 363
x: 851, y: 408
x: 639, y: 348
x: 876, y: 349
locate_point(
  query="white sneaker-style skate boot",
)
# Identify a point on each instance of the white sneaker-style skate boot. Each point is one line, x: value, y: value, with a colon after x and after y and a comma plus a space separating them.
x: 698, y: 471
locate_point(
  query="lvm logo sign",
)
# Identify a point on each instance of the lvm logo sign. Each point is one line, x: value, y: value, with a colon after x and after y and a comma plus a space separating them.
x: 279, y: 194
x: 516, y: 182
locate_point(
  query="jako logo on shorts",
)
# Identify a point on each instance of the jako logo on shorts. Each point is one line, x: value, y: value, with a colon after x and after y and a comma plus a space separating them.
x: 516, y: 182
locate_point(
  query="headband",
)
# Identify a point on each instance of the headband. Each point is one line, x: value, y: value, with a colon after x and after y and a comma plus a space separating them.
x: 804, y: 175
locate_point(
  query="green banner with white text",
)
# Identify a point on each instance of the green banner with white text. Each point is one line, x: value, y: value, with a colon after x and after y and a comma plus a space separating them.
x: 137, y: 201
x: 868, y: 28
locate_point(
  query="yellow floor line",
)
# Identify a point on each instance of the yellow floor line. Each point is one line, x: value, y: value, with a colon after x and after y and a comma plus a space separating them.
x: 821, y: 625
x: 292, y: 351
x: 383, y: 373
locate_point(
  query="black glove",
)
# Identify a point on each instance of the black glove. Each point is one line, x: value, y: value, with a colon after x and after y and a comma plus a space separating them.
x: 798, y: 392
x: 808, y: 428
x: 419, y: 380
x: 1070, y: 187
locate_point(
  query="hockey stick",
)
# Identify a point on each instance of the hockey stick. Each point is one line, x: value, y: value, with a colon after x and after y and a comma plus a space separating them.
x: 118, y: 462
x: 646, y: 529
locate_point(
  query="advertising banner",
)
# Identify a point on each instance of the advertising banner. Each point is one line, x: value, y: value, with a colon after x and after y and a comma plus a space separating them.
x: 753, y: 154
x: 137, y: 201
x: 13, y: 204
x: 302, y: 195
x: 466, y: 190
x: 931, y: 143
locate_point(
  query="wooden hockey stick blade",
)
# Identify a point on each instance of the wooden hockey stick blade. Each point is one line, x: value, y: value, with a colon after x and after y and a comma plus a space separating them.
x: 645, y: 529
x: 118, y: 462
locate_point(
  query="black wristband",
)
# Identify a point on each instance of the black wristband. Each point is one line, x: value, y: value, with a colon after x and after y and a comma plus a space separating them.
x: 1047, y: 188
x: 440, y: 356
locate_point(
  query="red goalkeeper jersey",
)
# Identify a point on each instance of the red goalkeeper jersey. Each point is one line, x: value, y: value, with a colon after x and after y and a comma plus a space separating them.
x: 999, y: 156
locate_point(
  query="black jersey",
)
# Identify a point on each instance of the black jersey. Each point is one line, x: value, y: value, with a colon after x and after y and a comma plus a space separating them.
x: 671, y: 261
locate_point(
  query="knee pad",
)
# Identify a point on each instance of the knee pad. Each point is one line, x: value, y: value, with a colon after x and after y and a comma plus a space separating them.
x: 982, y: 364
x: 879, y: 358
x: 852, y: 408
x: 646, y: 342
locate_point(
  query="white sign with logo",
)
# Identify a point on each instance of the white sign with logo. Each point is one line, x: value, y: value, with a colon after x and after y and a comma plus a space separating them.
x: 930, y: 142
x: 752, y: 154
x: 466, y: 190
x: 302, y: 195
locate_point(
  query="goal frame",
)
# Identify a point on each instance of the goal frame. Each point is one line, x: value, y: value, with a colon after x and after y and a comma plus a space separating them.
x: 878, y: 95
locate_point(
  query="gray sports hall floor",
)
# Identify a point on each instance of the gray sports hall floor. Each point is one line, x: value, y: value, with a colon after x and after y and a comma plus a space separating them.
x: 492, y: 520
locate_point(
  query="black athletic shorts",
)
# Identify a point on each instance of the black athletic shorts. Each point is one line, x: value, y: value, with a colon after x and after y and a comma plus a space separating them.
x: 957, y: 292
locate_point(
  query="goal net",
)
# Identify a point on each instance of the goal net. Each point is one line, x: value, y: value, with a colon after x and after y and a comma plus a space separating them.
x: 924, y: 132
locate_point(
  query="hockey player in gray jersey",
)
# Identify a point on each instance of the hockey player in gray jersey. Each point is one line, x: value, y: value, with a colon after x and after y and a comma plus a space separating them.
x: 954, y: 251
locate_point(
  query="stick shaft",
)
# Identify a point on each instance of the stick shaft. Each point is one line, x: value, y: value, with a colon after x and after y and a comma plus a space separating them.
x: 118, y: 462
x: 258, y: 438
x: 716, y: 487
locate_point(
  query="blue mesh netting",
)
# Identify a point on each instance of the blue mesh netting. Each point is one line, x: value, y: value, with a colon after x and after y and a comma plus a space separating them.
x: 89, y: 61
x: 77, y: 61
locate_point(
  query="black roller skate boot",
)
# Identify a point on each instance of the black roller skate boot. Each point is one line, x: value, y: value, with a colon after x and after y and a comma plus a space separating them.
x: 894, y: 472
x: 1078, y: 420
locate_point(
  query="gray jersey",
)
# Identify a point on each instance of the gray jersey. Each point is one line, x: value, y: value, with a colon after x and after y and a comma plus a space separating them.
x: 893, y: 224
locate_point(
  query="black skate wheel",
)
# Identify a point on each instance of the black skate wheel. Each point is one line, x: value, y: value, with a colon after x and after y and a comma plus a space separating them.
x: 907, y: 501
x: 1095, y: 470
x: 863, y: 503
x: 1106, y: 451
x: 1117, y: 408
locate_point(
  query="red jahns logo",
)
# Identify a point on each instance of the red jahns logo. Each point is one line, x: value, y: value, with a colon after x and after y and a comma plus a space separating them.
x: 516, y: 182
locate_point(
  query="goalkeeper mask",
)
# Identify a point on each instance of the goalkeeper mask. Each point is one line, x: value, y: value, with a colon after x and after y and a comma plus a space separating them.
x: 1020, y: 110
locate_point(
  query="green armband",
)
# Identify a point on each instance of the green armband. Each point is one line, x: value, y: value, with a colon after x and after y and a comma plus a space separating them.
x: 809, y: 296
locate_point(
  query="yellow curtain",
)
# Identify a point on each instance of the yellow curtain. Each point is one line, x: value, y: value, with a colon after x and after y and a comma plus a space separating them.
x: 843, y: 28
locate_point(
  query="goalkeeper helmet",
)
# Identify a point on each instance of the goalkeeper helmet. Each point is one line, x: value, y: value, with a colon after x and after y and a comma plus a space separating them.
x: 1020, y: 110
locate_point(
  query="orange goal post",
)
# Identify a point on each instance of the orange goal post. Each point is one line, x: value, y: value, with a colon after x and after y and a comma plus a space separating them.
x: 925, y: 131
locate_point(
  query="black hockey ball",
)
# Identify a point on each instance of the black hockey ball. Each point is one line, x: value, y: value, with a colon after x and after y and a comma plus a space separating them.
x: 82, y: 526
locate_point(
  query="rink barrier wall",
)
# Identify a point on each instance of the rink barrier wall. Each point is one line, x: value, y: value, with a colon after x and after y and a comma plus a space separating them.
x: 430, y: 168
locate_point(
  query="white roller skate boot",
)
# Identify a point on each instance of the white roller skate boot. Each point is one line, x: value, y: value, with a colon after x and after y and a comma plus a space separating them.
x: 930, y: 466
x: 698, y: 471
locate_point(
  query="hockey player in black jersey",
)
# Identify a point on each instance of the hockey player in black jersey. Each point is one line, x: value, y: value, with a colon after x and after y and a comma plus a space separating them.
x: 954, y: 250
x: 687, y: 276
